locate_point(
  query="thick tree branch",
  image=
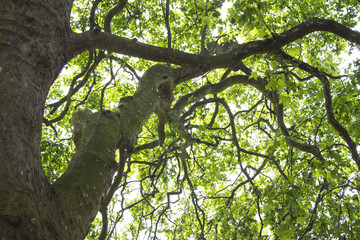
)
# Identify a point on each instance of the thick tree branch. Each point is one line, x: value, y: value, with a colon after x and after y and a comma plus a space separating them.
x: 89, y: 174
x: 101, y: 40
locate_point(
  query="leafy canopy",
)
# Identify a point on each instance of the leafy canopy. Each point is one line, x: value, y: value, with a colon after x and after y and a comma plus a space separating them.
x: 251, y: 152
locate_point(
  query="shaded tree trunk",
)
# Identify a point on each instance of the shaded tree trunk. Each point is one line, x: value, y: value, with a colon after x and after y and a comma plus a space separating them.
x: 34, y: 39
x: 32, y: 45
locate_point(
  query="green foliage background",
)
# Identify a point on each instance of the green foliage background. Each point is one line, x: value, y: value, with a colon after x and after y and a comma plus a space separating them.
x: 293, y: 196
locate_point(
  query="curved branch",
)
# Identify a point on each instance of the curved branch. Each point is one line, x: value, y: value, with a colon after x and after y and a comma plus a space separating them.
x: 211, y: 89
x: 200, y: 215
x: 166, y: 13
x: 102, y: 40
x: 149, y: 145
x: 114, y: 186
x: 204, y: 29
x: 73, y: 90
x: 92, y: 14
x: 260, y: 85
x: 120, y: 6
x: 322, y: 76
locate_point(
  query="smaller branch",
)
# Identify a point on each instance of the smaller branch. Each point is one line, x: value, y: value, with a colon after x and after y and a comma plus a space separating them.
x: 106, y: 85
x: 259, y: 214
x: 127, y: 65
x: 322, y: 76
x: 279, y: 110
x: 213, y: 118
x: 72, y: 91
x: 183, y: 156
x: 115, y: 10
x: 86, y: 69
x: 82, y: 101
x: 197, y: 104
x: 239, y: 149
x: 92, y: 14
x: 246, y: 181
x: 167, y: 23
x: 317, y: 129
x: 149, y: 145
x: 250, y: 109
x: 204, y: 30
x: 237, y: 145
x: 306, y: 148
x: 143, y: 162
x: 318, y: 201
x: 103, y: 210
x: 211, y: 89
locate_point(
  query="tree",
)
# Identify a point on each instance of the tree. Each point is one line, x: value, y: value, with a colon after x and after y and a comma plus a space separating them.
x: 241, y: 126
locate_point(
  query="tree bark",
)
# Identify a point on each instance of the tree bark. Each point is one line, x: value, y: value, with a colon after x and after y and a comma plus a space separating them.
x: 33, y: 49
x: 33, y: 36
x: 86, y: 182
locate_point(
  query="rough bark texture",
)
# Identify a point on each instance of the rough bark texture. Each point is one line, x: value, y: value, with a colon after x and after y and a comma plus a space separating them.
x: 83, y: 186
x: 32, y: 42
x: 33, y: 48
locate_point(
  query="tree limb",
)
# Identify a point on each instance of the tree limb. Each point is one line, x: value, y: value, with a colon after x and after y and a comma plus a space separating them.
x: 95, y: 39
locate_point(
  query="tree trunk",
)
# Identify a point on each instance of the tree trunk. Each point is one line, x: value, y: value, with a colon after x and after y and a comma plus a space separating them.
x: 32, y: 45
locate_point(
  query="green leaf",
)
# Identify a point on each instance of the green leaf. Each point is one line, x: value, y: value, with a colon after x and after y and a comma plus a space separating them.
x: 295, y: 51
x: 285, y: 100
